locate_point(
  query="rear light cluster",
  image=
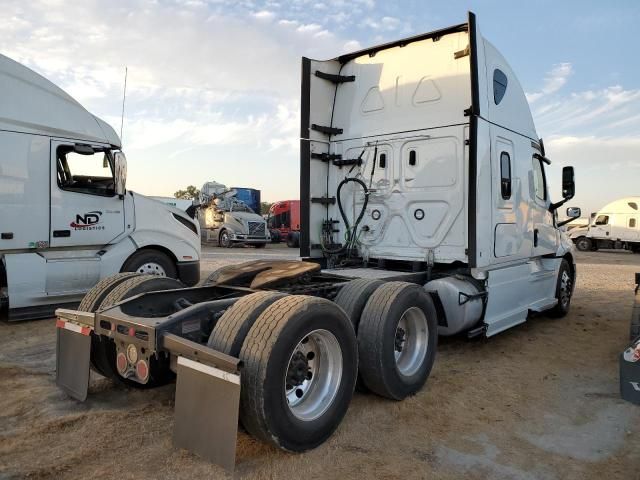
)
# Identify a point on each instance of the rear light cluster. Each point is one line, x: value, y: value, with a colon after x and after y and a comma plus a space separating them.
x: 124, y: 361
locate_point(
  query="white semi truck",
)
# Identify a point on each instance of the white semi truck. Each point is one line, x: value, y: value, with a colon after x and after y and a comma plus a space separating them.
x: 424, y: 211
x: 229, y: 221
x: 66, y: 220
x: 616, y: 225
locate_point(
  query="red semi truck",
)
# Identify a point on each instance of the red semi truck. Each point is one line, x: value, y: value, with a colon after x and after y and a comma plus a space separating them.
x: 284, y: 217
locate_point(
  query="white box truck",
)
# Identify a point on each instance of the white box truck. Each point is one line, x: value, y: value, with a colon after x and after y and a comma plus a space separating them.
x: 424, y: 211
x: 616, y: 225
x: 66, y: 220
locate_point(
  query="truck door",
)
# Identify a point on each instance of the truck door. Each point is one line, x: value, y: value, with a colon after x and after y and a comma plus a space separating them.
x: 601, y: 228
x: 85, y: 210
x: 545, y: 234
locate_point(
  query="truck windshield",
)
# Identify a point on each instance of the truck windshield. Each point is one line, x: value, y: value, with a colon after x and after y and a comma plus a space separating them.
x: 85, y: 173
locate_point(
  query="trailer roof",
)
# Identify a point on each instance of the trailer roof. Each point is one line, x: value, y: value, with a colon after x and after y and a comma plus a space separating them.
x: 30, y: 103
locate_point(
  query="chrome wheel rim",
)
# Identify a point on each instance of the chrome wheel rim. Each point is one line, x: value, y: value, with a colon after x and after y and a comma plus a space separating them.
x: 313, y: 375
x: 565, y: 289
x: 152, y: 268
x: 411, y: 341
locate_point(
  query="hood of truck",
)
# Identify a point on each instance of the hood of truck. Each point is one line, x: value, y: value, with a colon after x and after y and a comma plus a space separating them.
x: 159, y: 224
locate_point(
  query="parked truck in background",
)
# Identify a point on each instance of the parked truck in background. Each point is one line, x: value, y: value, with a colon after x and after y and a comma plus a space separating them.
x: 284, y: 217
x: 616, y: 225
x: 66, y: 219
x: 228, y: 220
x: 417, y: 158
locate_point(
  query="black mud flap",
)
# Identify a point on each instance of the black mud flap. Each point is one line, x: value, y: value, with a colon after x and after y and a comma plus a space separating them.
x: 206, y: 412
x: 73, y: 348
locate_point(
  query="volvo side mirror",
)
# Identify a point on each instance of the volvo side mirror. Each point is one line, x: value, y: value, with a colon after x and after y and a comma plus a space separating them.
x: 568, y: 183
x: 574, y: 212
x: 120, y: 173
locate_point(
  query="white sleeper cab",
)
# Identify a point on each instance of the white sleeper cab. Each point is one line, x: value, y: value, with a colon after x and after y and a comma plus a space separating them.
x: 424, y: 211
x: 616, y: 225
x: 66, y: 220
x: 423, y: 152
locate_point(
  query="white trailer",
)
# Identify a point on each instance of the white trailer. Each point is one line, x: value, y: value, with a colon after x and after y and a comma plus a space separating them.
x: 616, y: 225
x: 424, y: 211
x: 66, y: 220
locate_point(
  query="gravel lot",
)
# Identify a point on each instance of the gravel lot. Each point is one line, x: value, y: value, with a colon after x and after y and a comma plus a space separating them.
x: 539, y: 401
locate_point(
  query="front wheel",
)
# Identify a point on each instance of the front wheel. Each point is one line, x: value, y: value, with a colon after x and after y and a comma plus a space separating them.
x: 564, y: 290
x: 224, y: 240
x: 300, y: 364
x: 151, y: 262
x: 584, y: 244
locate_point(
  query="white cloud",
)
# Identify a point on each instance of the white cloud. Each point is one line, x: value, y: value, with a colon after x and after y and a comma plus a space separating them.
x: 265, y: 15
x: 553, y: 82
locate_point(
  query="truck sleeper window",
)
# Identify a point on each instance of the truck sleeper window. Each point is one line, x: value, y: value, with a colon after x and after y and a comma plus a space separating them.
x: 85, y: 173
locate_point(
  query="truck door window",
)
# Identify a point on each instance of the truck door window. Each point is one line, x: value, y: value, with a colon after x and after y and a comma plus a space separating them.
x: 91, y: 174
x: 539, y: 179
x: 632, y: 223
x: 505, y: 175
x: 602, y: 220
x: 383, y: 160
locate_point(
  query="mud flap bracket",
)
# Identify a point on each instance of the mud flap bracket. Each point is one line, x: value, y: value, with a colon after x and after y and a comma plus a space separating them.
x: 206, y: 412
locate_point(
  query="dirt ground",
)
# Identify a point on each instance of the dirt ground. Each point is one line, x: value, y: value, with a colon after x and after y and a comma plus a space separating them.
x: 539, y: 401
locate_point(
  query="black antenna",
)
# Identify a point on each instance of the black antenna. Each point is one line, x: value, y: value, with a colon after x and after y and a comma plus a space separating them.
x: 124, y: 95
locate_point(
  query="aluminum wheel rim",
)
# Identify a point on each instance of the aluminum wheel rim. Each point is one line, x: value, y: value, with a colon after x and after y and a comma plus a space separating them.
x: 411, y: 341
x: 152, y: 268
x: 565, y: 289
x: 315, y: 394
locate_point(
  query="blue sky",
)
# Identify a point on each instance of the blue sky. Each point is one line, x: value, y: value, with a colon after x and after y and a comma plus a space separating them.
x: 213, y: 90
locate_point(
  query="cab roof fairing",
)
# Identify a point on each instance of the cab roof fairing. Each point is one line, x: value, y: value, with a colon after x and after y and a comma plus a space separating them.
x: 29, y: 103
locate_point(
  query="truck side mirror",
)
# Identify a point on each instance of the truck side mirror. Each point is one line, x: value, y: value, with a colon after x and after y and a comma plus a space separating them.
x: 574, y: 212
x: 120, y: 173
x: 568, y: 183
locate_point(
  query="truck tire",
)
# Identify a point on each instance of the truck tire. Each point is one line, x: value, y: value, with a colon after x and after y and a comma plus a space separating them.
x: 293, y: 240
x: 564, y: 290
x: 105, y: 351
x: 584, y: 244
x: 397, y: 340
x: 90, y: 303
x: 224, y: 240
x: 310, y: 342
x: 231, y: 329
x: 150, y: 261
x: 353, y: 297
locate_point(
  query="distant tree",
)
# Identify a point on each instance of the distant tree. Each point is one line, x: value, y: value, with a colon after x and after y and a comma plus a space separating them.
x: 189, y: 194
x: 264, y: 207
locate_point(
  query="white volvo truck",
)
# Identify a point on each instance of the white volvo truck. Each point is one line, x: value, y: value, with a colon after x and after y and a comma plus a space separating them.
x: 66, y: 220
x: 424, y: 211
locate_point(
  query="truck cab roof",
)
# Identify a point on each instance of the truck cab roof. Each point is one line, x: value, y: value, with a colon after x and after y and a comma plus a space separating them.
x: 34, y: 105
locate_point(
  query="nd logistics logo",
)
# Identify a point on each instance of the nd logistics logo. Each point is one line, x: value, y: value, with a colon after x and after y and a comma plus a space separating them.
x: 88, y: 221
